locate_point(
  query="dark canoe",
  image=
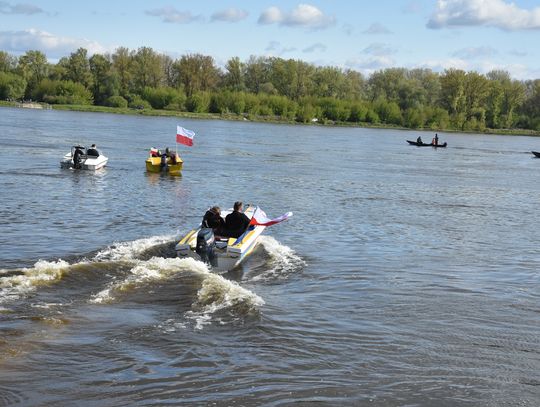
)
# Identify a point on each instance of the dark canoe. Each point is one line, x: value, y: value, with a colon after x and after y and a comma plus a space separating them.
x: 536, y: 153
x: 414, y: 143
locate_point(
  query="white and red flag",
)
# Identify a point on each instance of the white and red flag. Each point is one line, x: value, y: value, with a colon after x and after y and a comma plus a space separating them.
x: 184, y: 136
x: 260, y: 218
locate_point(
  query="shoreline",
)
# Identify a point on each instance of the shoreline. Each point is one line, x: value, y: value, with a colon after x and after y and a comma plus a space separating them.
x: 260, y: 119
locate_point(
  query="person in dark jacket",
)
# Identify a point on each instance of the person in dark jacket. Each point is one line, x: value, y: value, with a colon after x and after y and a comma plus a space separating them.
x: 236, y: 222
x: 212, y: 219
x: 92, y: 151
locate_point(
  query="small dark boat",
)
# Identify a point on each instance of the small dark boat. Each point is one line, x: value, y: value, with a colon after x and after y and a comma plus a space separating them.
x: 536, y: 153
x: 415, y: 143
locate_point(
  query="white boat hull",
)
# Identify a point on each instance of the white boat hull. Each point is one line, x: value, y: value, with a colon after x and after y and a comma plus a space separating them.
x: 90, y: 163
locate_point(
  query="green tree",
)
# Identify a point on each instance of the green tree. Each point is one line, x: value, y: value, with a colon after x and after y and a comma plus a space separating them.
x: 33, y: 67
x: 122, y: 62
x: 8, y: 63
x: 78, y: 68
x: 12, y: 86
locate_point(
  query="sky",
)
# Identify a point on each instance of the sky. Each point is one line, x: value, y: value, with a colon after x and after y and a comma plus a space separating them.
x: 363, y: 35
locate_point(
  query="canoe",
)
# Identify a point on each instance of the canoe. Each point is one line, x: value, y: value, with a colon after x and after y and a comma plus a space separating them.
x: 414, y: 143
x: 536, y: 153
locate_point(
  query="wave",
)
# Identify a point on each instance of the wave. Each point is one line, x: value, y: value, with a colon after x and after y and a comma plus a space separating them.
x: 216, y: 294
x: 282, y: 261
x: 14, y: 283
x: 146, y: 271
x: 126, y: 251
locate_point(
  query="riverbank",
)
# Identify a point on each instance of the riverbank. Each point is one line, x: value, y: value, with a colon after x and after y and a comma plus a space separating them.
x: 263, y: 119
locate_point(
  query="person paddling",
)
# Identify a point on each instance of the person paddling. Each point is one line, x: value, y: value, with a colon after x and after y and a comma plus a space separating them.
x: 419, y: 140
x: 436, y: 140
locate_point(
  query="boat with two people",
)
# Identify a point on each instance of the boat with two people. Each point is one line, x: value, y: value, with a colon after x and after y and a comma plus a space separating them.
x: 170, y: 161
x: 434, y: 142
x: 82, y: 158
x: 223, y: 249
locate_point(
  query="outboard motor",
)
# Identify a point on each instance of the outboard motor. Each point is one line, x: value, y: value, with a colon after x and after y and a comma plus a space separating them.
x: 205, y: 246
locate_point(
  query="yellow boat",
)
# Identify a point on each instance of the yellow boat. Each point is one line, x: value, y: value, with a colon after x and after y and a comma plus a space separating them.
x: 154, y: 164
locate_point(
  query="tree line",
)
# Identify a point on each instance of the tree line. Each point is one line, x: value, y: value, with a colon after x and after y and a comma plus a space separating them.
x: 272, y: 87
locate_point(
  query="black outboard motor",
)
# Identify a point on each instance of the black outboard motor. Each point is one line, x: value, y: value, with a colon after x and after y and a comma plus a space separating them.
x: 205, y: 246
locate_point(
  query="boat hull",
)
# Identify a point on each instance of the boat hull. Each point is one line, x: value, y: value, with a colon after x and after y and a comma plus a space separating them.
x: 536, y: 154
x: 415, y: 143
x: 89, y: 164
x: 153, y: 164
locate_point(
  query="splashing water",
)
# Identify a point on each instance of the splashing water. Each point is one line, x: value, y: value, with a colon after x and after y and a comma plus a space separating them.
x: 283, y: 261
x: 21, y: 282
x: 126, y: 251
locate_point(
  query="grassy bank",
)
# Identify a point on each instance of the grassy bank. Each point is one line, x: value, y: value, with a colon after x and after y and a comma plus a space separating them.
x: 264, y: 119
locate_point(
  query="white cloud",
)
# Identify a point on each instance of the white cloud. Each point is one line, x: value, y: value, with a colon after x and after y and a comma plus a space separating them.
x: 377, y: 29
x: 19, y: 8
x: 379, y: 50
x: 304, y: 15
x: 51, y: 45
x: 493, y: 13
x: 475, y: 52
x: 369, y: 65
x: 317, y: 47
x: 439, y: 65
x: 518, y: 53
x: 276, y: 48
x: 230, y: 15
x: 171, y: 15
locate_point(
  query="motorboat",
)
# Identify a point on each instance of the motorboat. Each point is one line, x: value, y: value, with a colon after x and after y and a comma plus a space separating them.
x: 220, y: 252
x: 170, y: 163
x: 226, y: 253
x: 81, y: 158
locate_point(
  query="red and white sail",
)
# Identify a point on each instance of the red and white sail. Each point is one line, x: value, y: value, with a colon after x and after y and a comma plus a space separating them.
x: 260, y: 218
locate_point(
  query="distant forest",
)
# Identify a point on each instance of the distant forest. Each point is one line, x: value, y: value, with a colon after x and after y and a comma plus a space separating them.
x: 276, y: 88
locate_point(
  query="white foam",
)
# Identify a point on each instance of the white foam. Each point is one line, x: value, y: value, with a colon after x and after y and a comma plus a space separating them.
x: 283, y: 260
x: 129, y: 250
x: 155, y: 269
x: 28, y: 279
x: 216, y: 293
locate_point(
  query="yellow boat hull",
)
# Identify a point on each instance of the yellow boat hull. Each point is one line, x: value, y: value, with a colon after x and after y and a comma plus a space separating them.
x: 153, y: 164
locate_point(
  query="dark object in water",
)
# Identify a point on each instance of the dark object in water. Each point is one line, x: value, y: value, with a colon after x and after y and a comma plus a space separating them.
x: 415, y: 143
x: 536, y: 153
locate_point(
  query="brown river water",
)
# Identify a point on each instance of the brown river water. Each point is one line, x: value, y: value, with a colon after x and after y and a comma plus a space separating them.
x: 406, y: 277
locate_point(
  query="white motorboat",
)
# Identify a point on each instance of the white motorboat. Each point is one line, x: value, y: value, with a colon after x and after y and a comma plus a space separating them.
x: 225, y: 253
x: 81, y: 158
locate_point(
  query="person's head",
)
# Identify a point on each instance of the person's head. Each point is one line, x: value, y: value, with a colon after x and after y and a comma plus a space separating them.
x: 167, y: 150
x: 216, y: 210
x: 238, y: 206
x: 93, y: 146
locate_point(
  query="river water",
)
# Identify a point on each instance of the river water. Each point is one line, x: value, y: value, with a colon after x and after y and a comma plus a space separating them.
x: 407, y: 276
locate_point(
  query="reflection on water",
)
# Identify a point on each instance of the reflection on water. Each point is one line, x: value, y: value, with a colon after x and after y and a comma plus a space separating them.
x: 408, y: 276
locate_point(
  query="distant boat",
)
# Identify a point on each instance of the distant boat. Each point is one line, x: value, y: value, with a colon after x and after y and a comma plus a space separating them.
x: 536, y: 153
x: 415, y: 143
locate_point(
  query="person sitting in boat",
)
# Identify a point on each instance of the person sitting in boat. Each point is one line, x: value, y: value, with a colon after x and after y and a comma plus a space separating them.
x: 171, y: 155
x: 212, y: 219
x: 436, y: 140
x: 92, y: 151
x: 419, y: 140
x: 154, y: 152
x: 236, y: 222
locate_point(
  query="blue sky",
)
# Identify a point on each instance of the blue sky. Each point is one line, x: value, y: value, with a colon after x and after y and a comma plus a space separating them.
x: 362, y: 35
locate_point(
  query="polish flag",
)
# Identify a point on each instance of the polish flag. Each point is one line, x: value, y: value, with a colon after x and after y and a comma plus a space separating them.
x: 184, y: 136
x: 260, y: 218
